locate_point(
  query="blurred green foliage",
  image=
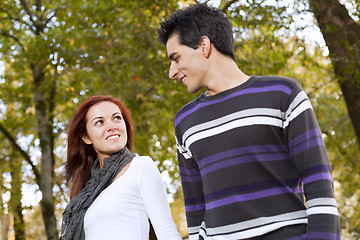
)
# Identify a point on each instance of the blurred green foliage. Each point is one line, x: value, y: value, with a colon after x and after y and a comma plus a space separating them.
x: 89, y: 47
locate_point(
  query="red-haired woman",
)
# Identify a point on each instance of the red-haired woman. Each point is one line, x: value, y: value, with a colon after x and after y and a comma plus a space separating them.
x: 113, y: 191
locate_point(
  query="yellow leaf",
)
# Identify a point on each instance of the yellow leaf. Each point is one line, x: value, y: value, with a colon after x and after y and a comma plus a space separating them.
x: 70, y: 89
x: 30, y: 110
x: 139, y: 96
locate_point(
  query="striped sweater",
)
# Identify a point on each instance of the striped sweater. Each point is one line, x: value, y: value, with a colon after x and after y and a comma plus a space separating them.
x: 253, y: 162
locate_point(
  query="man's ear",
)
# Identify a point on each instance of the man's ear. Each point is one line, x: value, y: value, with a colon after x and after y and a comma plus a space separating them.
x: 206, y: 46
x: 86, y: 140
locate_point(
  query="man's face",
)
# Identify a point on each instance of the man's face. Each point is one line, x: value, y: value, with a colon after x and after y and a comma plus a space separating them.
x: 188, y: 65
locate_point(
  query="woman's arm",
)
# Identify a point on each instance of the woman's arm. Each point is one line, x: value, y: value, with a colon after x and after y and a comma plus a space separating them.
x: 154, y: 197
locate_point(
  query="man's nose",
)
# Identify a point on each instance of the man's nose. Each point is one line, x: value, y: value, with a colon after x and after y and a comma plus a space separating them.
x: 173, y: 71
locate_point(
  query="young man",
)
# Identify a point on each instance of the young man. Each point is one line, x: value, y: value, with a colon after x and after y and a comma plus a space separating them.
x: 251, y: 156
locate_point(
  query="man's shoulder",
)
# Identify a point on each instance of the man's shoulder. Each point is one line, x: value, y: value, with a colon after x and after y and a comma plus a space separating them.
x: 277, y: 79
x: 277, y: 83
x: 188, y: 106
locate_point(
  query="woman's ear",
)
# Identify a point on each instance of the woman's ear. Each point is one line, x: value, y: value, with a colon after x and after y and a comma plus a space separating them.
x: 205, y: 46
x: 86, y: 140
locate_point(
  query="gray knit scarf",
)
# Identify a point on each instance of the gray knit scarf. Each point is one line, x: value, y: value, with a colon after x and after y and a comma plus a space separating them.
x: 73, y: 216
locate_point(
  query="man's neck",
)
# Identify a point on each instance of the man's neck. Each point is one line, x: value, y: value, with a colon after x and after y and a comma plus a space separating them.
x: 224, y: 77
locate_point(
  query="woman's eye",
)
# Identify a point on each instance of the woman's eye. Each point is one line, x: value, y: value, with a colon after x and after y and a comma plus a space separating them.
x: 98, y: 122
x: 117, y: 118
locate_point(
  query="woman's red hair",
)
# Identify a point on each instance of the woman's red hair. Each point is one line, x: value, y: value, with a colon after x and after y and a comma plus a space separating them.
x: 80, y: 156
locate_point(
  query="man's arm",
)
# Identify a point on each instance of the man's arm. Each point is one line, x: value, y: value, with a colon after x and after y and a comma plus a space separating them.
x: 309, y: 155
x: 193, y: 194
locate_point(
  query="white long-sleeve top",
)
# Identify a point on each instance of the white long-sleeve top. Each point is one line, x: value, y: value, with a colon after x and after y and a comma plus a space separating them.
x: 122, y: 210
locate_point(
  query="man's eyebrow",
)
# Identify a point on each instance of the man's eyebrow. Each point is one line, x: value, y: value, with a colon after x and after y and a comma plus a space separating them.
x: 171, y: 57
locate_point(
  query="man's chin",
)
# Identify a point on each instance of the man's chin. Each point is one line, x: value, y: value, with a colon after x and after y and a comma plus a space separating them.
x: 193, y: 90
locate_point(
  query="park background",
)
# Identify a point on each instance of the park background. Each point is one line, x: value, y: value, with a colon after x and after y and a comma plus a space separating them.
x: 54, y: 54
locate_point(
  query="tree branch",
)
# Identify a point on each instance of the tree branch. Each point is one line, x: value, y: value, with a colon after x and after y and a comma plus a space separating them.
x: 38, y: 27
x: 38, y: 5
x: 49, y: 19
x: 27, y: 10
x: 17, y: 19
x: 227, y: 5
x: 22, y: 152
x: 7, y: 34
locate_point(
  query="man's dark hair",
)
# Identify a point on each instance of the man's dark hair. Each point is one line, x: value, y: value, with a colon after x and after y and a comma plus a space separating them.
x: 196, y: 21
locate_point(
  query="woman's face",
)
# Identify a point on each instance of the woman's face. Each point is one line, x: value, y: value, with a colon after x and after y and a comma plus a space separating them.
x: 106, y: 129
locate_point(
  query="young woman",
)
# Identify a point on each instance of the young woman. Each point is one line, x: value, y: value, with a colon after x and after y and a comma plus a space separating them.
x: 113, y: 191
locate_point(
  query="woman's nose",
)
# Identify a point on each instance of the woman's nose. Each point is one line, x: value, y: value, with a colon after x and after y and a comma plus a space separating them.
x: 112, y: 127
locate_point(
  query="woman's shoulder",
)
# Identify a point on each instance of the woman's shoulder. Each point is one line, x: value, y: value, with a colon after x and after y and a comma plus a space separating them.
x: 146, y: 169
x: 142, y: 158
x: 144, y: 161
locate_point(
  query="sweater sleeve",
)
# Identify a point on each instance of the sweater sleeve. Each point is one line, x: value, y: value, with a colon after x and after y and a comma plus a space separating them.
x: 193, y: 192
x: 309, y: 155
x: 154, y: 197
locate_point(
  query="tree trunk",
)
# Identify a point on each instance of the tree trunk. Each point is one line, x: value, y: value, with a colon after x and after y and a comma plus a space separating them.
x: 15, y: 200
x: 47, y: 156
x: 4, y: 226
x: 19, y: 224
x: 4, y: 218
x: 342, y: 37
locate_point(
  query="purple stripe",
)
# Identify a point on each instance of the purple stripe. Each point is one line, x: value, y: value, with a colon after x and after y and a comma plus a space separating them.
x: 299, y: 189
x: 291, y: 183
x: 188, y: 172
x: 242, y: 160
x: 307, y: 135
x: 247, y: 197
x: 190, y: 179
x: 307, y: 145
x: 317, y: 177
x: 318, y: 235
x: 281, y: 88
x: 194, y: 207
x: 241, y: 151
x: 316, y: 169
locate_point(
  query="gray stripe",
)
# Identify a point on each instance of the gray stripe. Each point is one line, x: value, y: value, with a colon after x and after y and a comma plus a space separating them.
x: 297, y: 100
x: 193, y: 230
x: 257, y: 222
x: 321, y: 202
x: 231, y: 117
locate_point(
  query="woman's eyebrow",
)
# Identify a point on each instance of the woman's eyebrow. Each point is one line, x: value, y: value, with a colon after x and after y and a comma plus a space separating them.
x: 96, y: 118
